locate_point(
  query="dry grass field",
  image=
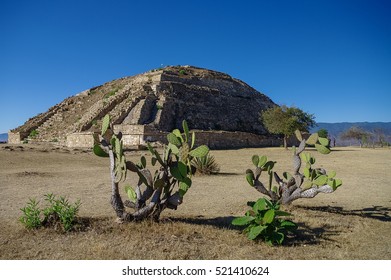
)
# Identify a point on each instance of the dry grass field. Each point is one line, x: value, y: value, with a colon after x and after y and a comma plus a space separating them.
x: 352, y: 223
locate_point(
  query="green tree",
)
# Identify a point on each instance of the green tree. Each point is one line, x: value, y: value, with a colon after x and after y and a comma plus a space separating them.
x: 323, y: 133
x: 286, y: 120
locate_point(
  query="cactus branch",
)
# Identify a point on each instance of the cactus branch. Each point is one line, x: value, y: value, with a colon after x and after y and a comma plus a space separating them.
x: 309, y: 193
x: 298, y: 185
x: 146, y: 210
x: 261, y: 188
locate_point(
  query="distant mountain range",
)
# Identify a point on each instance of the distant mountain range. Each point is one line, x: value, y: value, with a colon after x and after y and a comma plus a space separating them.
x: 336, y: 129
x: 3, y: 137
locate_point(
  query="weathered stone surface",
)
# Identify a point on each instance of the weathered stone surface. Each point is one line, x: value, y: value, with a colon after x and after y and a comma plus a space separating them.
x: 80, y: 139
x: 223, y: 109
x: 209, y: 100
x: 14, y: 137
x: 139, y: 135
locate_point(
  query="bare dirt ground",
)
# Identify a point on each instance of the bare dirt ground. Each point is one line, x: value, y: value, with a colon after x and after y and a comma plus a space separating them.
x: 352, y: 223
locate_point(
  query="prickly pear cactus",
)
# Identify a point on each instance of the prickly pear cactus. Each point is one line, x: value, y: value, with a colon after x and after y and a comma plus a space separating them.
x: 306, y: 181
x: 153, y: 193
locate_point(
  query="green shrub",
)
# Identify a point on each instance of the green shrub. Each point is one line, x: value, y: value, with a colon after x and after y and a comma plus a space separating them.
x: 206, y: 165
x: 34, y: 133
x: 182, y: 72
x: 263, y: 221
x: 58, y: 212
x: 111, y: 93
x: 31, y: 215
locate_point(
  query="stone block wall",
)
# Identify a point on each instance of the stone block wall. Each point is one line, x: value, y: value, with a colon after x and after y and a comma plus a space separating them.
x: 139, y: 135
x: 80, y: 140
x: 234, y: 140
x: 14, y: 137
x: 136, y: 135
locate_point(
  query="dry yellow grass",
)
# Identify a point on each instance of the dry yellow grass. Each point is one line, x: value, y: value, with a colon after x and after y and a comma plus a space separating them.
x: 352, y: 223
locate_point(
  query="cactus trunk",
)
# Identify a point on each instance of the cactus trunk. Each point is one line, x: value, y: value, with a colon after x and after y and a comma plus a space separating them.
x: 116, y: 200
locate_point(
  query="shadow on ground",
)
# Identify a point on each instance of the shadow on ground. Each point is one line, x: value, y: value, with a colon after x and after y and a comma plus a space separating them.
x: 218, y: 222
x: 227, y: 174
x: 379, y: 213
x: 304, y: 235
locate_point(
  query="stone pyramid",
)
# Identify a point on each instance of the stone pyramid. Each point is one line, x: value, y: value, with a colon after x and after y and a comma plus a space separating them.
x: 224, y: 111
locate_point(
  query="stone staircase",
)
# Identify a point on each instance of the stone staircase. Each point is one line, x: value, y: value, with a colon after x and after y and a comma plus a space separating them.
x: 44, y: 131
x: 132, y: 107
x: 51, y: 129
x: 119, y: 105
x: 99, y: 109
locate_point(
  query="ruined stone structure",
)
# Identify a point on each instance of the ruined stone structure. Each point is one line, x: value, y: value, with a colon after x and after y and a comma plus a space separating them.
x: 223, y: 110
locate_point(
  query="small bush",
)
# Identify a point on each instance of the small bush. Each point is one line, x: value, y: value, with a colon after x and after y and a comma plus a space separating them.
x: 263, y: 221
x: 111, y: 93
x: 182, y: 72
x: 57, y: 213
x: 59, y: 210
x: 206, y: 165
x: 34, y: 133
x: 31, y: 215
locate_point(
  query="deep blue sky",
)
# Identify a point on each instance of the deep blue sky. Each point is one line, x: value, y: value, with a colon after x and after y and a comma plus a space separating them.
x: 329, y: 58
